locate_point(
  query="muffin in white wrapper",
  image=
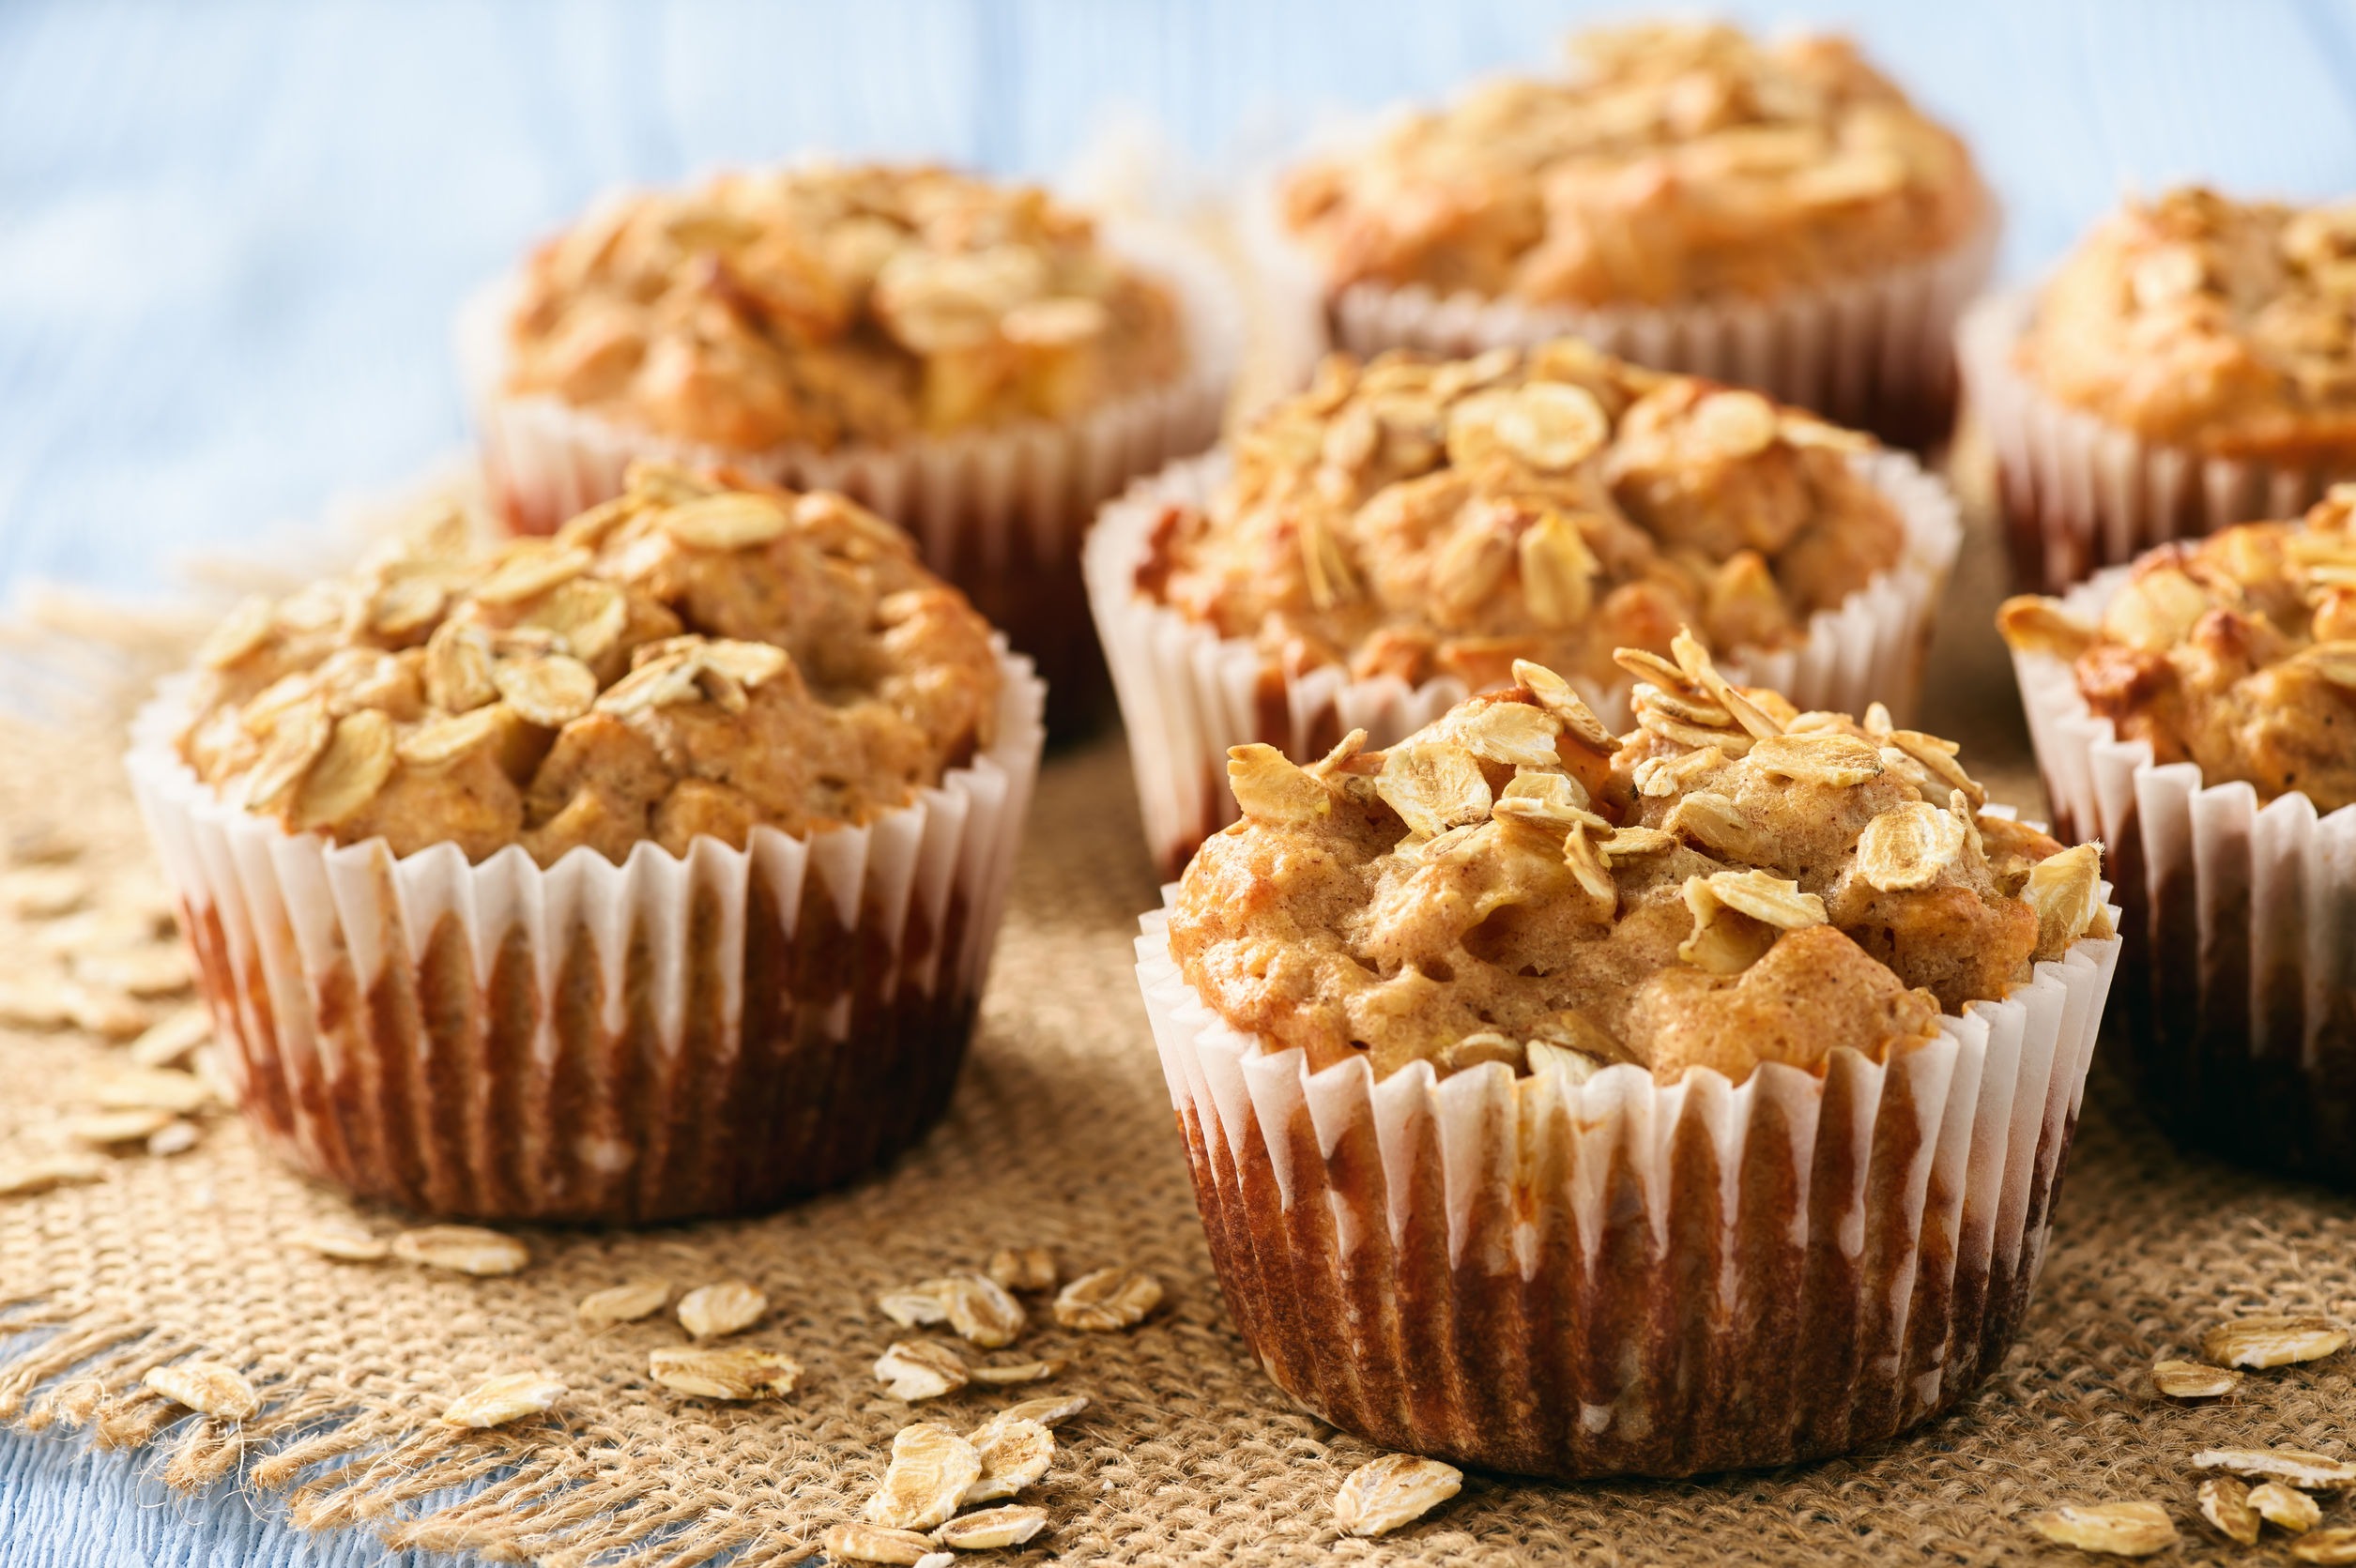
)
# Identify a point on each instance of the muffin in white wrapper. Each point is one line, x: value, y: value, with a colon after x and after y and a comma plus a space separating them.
x: 1187, y: 694
x: 1626, y: 1277
x: 2239, y: 1005
x: 2080, y: 493
x: 672, y: 1036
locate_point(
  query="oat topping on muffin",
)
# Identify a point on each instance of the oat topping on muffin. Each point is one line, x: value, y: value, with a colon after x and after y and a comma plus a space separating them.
x: 828, y: 305
x: 2237, y: 653
x: 1423, y: 517
x: 1679, y: 162
x: 693, y: 657
x: 2224, y: 325
x: 1730, y: 884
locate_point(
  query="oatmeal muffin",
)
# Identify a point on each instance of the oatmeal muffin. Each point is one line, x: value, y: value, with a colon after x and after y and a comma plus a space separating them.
x: 969, y: 358
x: 1516, y: 999
x: 2190, y: 366
x: 2198, y: 710
x: 1417, y: 526
x: 641, y: 872
x: 1685, y: 188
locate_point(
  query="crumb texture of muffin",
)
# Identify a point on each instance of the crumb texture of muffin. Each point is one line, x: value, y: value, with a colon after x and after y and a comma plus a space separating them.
x: 1676, y: 163
x: 693, y: 658
x: 2222, y: 325
x: 826, y: 307
x: 2237, y: 653
x: 1733, y: 883
x: 1417, y: 518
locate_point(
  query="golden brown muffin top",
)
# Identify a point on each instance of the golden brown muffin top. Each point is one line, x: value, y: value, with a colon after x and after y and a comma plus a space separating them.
x: 829, y: 306
x: 2204, y: 322
x: 2237, y: 653
x: 693, y: 657
x: 1422, y: 517
x: 1731, y: 883
x: 1678, y: 163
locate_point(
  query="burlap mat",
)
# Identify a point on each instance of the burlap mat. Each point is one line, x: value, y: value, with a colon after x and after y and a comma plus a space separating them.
x: 1060, y: 1135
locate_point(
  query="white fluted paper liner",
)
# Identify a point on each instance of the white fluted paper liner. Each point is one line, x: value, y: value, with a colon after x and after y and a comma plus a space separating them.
x: 1873, y: 352
x: 2080, y: 493
x: 2239, y: 1002
x: 669, y: 1035
x: 1187, y: 694
x: 1626, y: 1277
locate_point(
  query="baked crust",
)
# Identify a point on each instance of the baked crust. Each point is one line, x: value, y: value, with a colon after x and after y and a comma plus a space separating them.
x: 1679, y: 164
x: 2237, y: 652
x: 696, y: 657
x: 1421, y: 517
x: 1731, y: 883
x: 2208, y: 323
x: 828, y: 305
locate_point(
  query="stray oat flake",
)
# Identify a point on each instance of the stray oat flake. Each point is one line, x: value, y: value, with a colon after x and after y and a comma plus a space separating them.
x: 2272, y: 1341
x: 622, y: 1303
x: 345, y: 1243
x: 737, y: 1374
x: 2284, y: 1509
x: 2118, y: 1528
x: 2336, y: 1545
x: 1023, y: 1268
x: 1014, y: 1454
x: 2295, y: 1467
x: 931, y: 1468
x: 1010, y: 1525
x: 875, y: 1544
x: 1395, y: 1489
x: 2193, y: 1379
x: 713, y: 1311
x: 1108, y: 1300
x: 209, y: 1388
x: 465, y: 1249
x: 913, y: 1369
x: 499, y: 1400
x: 2224, y: 1502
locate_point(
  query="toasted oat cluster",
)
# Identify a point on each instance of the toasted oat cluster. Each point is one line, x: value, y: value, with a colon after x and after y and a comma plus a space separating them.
x: 1731, y: 883
x: 833, y: 306
x: 2218, y: 325
x: 689, y: 658
x: 2237, y: 653
x: 1676, y: 164
x: 1424, y: 517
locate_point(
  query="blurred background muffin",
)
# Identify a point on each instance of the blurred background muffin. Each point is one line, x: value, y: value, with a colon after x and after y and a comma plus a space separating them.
x: 1777, y: 214
x: 646, y: 871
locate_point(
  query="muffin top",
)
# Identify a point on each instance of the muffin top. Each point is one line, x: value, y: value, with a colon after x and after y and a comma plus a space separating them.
x: 1676, y: 164
x: 2204, y: 322
x: 831, y: 306
x: 1731, y: 883
x: 1421, y: 517
x: 693, y: 657
x: 2237, y: 653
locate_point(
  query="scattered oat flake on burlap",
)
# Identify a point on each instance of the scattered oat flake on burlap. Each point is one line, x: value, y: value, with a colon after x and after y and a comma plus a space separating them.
x: 626, y: 1302
x: 936, y: 1559
x: 2337, y: 1545
x: 1015, y: 1371
x: 2224, y: 1502
x: 345, y: 1243
x: 105, y: 1129
x: 465, y: 1249
x: 1052, y: 1411
x: 2119, y: 1529
x: 711, y: 1311
x: 168, y: 1040
x: 2295, y: 1467
x: 913, y: 1369
x: 1023, y: 1268
x: 1014, y: 1454
x: 145, y: 972
x: 931, y: 1468
x: 173, y: 1137
x: 1108, y: 1300
x: 875, y: 1544
x: 39, y: 892
x: 1010, y: 1525
x: 25, y: 1176
x: 104, y: 1013
x: 209, y: 1388
x: 2284, y: 1509
x: 981, y: 1310
x: 2193, y: 1379
x: 916, y: 1306
x: 157, y: 1088
x: 2272, y: 1341
x: 499, y: 1400
x: 1395, y: 1489
x: 738, y: 1374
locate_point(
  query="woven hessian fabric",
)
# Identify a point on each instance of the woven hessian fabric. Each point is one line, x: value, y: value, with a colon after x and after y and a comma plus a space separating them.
x: 1061, y: 1134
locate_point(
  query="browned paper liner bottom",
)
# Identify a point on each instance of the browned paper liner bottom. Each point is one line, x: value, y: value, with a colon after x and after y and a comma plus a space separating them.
x: 674, y: 1036
x: 2239, y: 1001
x: 1622, y: 1277
x: 2078, y: 493
x: 1187, y: 694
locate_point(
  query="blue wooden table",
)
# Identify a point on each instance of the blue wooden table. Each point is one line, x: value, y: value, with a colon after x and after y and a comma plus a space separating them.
x: 232, y: 235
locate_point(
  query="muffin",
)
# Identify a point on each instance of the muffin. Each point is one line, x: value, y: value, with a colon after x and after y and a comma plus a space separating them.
x: 644, y: 872
x: 972, y: 360
x: 1777, y: 214
x: 2197, y: 710
x: 1375, y: 549
x: 2189, y: 367
x: 1578, y: 1107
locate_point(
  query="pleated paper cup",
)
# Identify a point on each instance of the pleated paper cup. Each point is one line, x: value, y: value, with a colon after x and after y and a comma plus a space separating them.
x: 1874, y: 352
x: 2080, y: 493
x: 999, y: 512
x: 673, y: 1036
x: 2238, y: 1003
x: 1623, y: 1277
x: 1187, y: 694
